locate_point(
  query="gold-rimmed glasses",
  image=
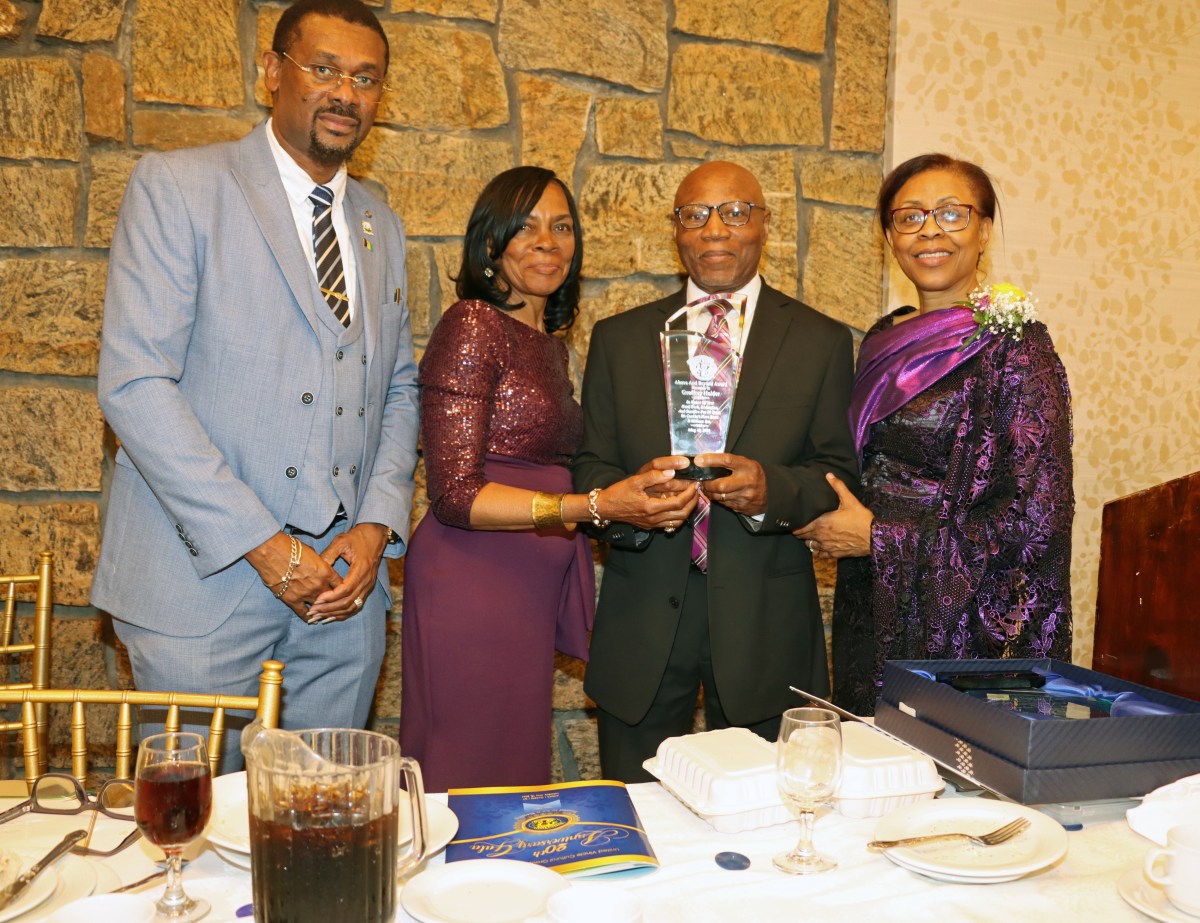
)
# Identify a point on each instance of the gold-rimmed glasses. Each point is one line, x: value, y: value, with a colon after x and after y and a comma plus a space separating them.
x: 330, y: 78
x: 733, y: 214
x: 62, y: 794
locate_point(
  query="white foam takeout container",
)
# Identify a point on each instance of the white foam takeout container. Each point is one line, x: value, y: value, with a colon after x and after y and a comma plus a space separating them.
x: 728, y: 776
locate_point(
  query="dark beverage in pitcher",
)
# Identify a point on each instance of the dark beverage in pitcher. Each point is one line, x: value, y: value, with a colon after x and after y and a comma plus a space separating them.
x: 323, y: 860
x: 173, y: 802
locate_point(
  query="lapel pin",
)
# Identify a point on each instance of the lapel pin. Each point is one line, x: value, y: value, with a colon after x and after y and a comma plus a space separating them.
x: 366, y: 226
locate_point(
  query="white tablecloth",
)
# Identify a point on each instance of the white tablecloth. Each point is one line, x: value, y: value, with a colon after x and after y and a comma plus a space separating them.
x: 691, y: 888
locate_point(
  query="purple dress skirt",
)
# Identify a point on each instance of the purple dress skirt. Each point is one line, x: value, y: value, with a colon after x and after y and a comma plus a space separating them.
x: 483, y: 614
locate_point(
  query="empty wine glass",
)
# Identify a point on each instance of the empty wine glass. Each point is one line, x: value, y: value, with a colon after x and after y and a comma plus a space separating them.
x: 808, y: 756
x: 172, y: 802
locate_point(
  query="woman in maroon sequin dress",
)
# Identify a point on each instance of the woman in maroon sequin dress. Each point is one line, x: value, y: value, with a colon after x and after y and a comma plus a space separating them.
x: 961, y: 545
x: 488, y: 597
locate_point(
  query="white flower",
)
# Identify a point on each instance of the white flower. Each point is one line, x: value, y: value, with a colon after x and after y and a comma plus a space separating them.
x: 1003, y: 309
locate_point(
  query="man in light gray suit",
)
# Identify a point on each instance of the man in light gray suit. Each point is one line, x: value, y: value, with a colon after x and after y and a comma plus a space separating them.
x: 267, y: 419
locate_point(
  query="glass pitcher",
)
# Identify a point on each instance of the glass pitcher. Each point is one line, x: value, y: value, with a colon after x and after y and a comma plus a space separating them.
x: 325, y: 810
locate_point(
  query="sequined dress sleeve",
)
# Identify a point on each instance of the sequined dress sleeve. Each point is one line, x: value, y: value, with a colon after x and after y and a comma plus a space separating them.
x: 490, y: 385
x: 971, y: 486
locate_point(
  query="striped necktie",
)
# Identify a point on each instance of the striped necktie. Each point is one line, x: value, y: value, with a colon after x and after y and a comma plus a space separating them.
x: 719, y: 346
x: 330, y: 276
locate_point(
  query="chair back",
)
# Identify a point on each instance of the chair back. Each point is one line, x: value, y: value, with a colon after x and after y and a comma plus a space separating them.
x: 265, y: 705
x: 12, y: 587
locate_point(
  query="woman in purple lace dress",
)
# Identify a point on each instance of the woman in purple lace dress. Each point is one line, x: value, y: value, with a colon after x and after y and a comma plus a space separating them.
x: 961, y: 544
x: 496, y: 576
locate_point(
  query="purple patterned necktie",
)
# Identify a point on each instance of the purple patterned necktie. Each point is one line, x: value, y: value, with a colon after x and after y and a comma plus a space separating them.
x: 719, y: 347
x: 330, y: 276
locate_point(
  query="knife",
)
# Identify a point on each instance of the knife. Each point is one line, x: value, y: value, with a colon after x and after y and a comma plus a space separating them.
x: 10, y: 894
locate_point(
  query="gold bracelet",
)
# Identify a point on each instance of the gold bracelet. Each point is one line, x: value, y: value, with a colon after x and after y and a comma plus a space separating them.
x: 294, y: 559
x: 546, y: 510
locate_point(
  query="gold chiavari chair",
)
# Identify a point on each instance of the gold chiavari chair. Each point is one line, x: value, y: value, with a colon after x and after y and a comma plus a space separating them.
x: 38, y: 645
x: 265, y: 705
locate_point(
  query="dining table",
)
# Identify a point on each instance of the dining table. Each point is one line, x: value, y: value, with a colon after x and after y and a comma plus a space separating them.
x: 689, y: 886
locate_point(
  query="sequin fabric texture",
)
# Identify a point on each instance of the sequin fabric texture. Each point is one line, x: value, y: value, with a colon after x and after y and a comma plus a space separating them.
x: 491, y: 384
x: 971, y: 487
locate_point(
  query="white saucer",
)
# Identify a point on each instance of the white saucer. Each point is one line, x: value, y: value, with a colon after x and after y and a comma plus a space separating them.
x: 40, y: 890
x: 481, y: 891
x: 959, y: 861
x: 229, y: 826
x: 1144, y: 896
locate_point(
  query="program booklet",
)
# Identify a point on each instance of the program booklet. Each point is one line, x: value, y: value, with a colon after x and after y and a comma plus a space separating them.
x: 576, y: 828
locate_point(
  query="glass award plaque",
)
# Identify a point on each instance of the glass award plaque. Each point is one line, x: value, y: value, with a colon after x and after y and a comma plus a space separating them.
x: 701, y: 376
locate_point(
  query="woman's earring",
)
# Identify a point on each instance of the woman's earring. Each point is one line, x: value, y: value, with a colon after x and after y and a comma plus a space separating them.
x: 487, y: 271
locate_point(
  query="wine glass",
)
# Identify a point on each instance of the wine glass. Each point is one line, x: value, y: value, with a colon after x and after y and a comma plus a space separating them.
x: 172, y: 802
x: 808, y: 757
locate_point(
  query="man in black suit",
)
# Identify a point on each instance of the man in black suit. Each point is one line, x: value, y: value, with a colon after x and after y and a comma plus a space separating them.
x: 746, y: 623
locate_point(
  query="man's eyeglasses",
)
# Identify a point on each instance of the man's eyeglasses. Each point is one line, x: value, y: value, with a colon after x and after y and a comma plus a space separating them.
x: 59, y: 793
x: 733, y: 214
x: 330, y: 78
x: 953, y: 217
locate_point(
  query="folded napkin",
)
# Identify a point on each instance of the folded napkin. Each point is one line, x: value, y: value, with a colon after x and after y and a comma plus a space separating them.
x: 1166, y: 807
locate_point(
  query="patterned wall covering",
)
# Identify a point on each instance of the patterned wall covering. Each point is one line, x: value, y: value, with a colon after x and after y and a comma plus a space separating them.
x: 1085, y: 112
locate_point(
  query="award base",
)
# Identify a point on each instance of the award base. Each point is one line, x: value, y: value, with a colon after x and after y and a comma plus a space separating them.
x: 694, y: 472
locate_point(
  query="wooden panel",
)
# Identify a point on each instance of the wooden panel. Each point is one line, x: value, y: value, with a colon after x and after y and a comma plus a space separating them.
x: 1148, y: 597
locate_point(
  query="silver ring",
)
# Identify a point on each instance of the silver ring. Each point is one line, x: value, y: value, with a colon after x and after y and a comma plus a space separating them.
x: 812, y: 545
x: 358, y: 603
x: 722, y: 496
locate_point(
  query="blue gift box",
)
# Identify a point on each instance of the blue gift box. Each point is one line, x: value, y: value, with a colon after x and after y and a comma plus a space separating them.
x: 1040, y: 761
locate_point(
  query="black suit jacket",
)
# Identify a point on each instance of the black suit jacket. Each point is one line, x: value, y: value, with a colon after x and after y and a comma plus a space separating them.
x: 789, y: 415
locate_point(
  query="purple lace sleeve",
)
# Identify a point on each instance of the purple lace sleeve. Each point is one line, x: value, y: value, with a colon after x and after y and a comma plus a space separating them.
x: 460, y: 374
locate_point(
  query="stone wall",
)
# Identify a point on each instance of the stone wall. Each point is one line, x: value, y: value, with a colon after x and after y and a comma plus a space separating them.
x: 620, y: 97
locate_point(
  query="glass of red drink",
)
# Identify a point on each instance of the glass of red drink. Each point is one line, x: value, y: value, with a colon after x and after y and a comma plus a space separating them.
x: 172, y: 802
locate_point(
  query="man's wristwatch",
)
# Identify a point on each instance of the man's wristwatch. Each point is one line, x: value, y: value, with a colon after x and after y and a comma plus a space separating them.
x: 392, y: 537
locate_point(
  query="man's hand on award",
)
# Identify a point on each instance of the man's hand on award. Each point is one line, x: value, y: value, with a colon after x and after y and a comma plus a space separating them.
x: 651, y: 499
x: 293, y: 571
x: 841, y: 533
x: 744, y: 492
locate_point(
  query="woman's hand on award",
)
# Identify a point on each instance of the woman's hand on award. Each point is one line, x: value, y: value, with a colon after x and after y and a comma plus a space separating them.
x: 651, y: 499
x: 841, y: 533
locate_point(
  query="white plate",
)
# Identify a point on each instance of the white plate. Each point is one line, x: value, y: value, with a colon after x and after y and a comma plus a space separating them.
x: 481, y: 891
x: 1042, y: 844
x: 77, y: 878
x: 38, y: 892
x: 229, y: 827
x: 1142, y: 895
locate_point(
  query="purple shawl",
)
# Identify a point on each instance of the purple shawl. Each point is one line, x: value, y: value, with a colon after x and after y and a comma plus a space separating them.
x: 896, y: 365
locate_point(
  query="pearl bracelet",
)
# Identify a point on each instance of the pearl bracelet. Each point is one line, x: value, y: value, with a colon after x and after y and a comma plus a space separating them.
x: 593, y: 509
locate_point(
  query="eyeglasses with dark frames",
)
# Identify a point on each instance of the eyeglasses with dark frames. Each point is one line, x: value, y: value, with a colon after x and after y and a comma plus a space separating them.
x: 954, y: 216
x: 734, y: 214
x: 330, y: 78
x: 59, y: 793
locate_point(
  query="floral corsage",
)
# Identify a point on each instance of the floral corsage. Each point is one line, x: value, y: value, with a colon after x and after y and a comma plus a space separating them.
x: 1002, y: 308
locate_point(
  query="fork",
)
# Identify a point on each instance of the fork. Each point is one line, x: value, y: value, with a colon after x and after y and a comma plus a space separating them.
x: 996, y: 837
